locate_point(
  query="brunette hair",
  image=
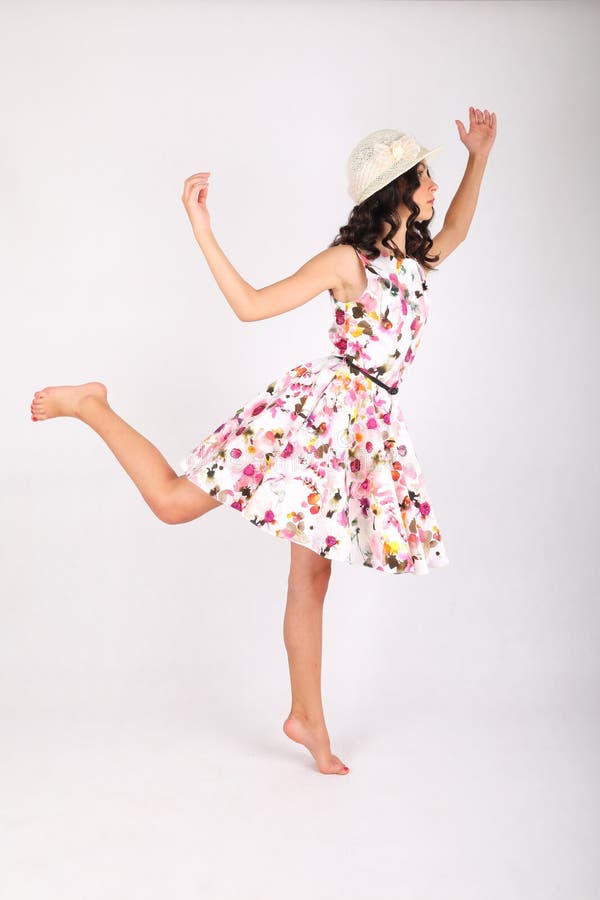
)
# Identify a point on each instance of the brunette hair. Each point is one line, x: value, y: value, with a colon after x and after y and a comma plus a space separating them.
x: 366, y: 221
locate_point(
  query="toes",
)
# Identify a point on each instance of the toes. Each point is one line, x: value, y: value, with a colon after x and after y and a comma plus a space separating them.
x: 335, y: 767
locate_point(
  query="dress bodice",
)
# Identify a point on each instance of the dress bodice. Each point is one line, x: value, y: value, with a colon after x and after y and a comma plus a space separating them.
x: 381, y: 330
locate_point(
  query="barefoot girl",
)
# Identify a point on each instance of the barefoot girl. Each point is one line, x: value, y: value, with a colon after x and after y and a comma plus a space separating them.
x: 322, y: 456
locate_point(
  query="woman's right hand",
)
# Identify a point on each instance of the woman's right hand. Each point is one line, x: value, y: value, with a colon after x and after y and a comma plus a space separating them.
x: 195, y: 191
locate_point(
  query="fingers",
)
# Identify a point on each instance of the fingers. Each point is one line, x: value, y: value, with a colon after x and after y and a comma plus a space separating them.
x: 197, y: 176
x: 193, y: 180
x: 191, y: 184
x: 479, y: 116
x: 475, y: 114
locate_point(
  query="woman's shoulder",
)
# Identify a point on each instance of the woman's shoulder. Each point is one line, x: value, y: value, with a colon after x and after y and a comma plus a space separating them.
x: 346, y: 258
x: 350, y: 264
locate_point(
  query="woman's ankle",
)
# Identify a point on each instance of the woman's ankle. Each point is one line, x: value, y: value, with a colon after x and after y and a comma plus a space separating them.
x: 313, y: 720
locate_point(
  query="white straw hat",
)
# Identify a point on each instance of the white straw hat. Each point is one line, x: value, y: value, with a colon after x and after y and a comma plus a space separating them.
x: 379, y: 158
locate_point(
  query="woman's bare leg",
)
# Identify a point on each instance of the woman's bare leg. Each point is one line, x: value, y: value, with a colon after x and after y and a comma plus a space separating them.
x: 176, y: 499
x: 172, y: 498
x: 303, y: 635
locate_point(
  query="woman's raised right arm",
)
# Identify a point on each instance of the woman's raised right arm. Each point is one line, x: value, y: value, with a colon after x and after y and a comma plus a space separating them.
x: 323, y: 272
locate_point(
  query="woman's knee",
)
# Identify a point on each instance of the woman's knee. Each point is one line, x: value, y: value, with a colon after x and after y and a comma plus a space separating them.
x: 183, y: 501
x: 308, y: 566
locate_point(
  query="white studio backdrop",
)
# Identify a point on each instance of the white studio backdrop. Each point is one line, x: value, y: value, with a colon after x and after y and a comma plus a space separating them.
x: 465, y: 701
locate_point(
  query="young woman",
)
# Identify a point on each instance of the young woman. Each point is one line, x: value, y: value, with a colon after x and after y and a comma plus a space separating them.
x: 322, y: 457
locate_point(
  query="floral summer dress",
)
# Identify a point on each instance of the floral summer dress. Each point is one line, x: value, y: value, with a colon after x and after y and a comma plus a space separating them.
x: 322, y: 456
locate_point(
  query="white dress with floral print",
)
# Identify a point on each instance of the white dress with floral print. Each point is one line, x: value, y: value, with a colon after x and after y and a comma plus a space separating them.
x: 322, y: 456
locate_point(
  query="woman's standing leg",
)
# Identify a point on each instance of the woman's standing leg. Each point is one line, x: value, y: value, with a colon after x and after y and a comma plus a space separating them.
x: 303, y: 635
x: 172, y: 498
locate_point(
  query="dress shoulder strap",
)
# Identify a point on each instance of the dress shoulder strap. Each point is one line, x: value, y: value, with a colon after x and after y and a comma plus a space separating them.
x: 365, y: 260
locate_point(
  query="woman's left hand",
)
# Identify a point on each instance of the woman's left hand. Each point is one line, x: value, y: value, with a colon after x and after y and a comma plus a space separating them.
x: 480, y: 138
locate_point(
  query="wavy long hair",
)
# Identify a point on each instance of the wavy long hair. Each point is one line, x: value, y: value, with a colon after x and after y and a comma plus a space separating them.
x: 367, y: 220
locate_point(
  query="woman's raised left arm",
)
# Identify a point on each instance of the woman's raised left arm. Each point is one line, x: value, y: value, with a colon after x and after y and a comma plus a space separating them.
x: 479, y: 140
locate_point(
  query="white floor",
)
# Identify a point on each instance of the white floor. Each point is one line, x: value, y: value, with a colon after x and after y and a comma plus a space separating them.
x: 444, y: 803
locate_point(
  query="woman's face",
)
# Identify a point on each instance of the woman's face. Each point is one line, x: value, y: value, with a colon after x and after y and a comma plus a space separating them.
x: 424, y: 194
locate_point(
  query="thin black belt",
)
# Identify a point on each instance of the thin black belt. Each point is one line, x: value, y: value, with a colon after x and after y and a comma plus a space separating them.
x: 354, y: 368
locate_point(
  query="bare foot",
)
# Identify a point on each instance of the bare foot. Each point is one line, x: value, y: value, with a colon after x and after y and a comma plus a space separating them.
x: 64, y: 400
x: 316, y: 741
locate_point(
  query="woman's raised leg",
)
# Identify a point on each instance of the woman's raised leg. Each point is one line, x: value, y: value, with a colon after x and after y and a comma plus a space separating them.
x: 303, y: 635
x: 172, y: 498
